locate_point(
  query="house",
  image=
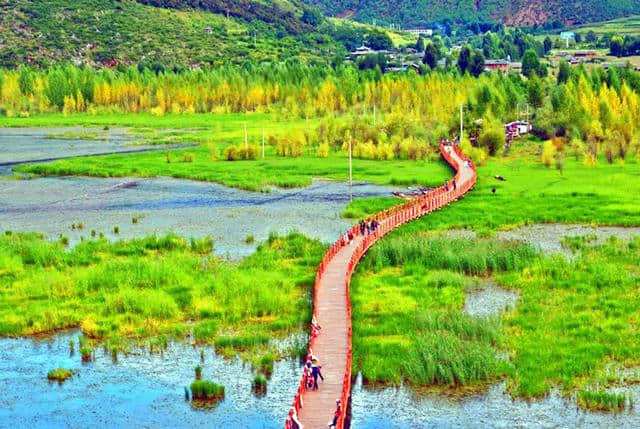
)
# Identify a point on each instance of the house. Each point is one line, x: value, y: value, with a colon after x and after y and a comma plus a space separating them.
x: 518, y: 128
x: 497, y: 65
x: 515, y: 67
x: 586, y: 54
x: 362, y: 51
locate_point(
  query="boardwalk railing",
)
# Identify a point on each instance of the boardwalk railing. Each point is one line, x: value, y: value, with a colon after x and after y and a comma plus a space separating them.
x: 388, y: 220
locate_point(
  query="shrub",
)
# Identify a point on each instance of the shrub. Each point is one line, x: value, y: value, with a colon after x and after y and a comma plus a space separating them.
x: 188, y: 157
x: 323, y: 150
x: 234, y: 153
x: 548, y: 153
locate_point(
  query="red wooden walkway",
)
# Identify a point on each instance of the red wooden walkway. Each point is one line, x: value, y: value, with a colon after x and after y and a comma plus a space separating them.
x: 332, y: 305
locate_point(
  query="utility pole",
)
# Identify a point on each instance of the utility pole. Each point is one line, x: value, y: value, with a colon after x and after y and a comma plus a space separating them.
x: 461, y: 123
x: 350, y: 170
x: 263, y: 143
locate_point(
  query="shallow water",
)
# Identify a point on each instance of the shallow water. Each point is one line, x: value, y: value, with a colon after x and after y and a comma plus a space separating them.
x: 31, y: 144
x: 139, y: 390
x: 192, y: 209
x: 401, y: 408
x: 548, y: 237
x: 489, y: 300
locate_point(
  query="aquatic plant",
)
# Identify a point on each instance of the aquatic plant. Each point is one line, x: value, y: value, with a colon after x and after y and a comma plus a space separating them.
x: 116, y: 230
x: 64, y: 240
x: 259, y: 385
x: 93, y: 233
x: 198, y: 371
x: 71, y: 347
x: 60, y: 374
x: 602, y: 400
x: 265, y: 365
x: 249, y: 239
x: 206, y: 390
x: 86, y: 350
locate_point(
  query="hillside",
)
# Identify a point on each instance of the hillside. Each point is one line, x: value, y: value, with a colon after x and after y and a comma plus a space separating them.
x: 511, y: 12
x: 110, y: 32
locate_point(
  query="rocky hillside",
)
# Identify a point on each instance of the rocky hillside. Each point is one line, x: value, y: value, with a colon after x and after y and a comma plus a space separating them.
x: 409, y: 13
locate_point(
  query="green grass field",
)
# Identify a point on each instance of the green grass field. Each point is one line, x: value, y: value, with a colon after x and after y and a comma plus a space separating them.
x: 599, y: 195
x: 408, y: 326
x: 211, y: 134
x: 157, y: 287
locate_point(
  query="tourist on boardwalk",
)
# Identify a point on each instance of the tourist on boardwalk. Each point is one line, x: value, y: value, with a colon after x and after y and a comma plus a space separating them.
x: 295, y: 423
x: 455, y: 185
x: 446, y: 186
x: 336, y: 415
x: 350, y: 236
x: 315, y: 371
x: 308, y: 375
x: 363, y: 226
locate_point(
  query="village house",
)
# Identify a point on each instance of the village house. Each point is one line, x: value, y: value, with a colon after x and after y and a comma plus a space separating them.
x: 497, y: 65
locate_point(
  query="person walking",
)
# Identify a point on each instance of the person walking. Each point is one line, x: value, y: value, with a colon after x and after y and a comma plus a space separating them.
x: 363, y: 226
x: 315, y: 371
x: 336, y: 415
x: 455, y: 185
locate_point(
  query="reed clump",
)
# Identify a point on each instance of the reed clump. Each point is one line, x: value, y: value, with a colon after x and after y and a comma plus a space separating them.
x: 60, y: 375
x: 205, y: 390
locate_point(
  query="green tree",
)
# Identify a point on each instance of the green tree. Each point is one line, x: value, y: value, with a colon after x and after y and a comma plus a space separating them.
x: 476, y: 68
x: 530, y: 63
x: 548, y: 45
x: 464, y: 59
x: 535, y: 91
x: 616, y: 47
x: 431, y: 55
x: 420, y: 45
x: 26, y: 80
x: 592, y: 37
x: 379, y: 40
x: 564, y: 72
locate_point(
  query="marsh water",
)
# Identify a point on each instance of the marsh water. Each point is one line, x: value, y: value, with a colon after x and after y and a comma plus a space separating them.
x: 137, y: 390
x: 193, y: 209
x: 147, y: 390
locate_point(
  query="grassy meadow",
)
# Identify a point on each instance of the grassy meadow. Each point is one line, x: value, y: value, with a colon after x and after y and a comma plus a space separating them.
x: 600, y: 194
x: 157, y: 287
x: 205, y: 161
x: 575, y: 325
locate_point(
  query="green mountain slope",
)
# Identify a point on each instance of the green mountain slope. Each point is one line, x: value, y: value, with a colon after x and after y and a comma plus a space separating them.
x: 109, y: 32
x: 408, y: 13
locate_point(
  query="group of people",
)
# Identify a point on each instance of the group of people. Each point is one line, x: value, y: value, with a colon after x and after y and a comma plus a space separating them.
x: 312, y: 372
x: 368, y: 227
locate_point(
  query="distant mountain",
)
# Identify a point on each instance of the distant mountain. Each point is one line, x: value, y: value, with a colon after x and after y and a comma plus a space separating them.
x: 409, y: 13
x: 171, y: 32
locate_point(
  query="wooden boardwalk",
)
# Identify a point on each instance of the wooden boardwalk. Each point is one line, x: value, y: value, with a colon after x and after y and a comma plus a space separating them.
x: 332, y: 306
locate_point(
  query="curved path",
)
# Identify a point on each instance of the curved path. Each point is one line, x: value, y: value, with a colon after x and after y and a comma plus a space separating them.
x: 332, y: 305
